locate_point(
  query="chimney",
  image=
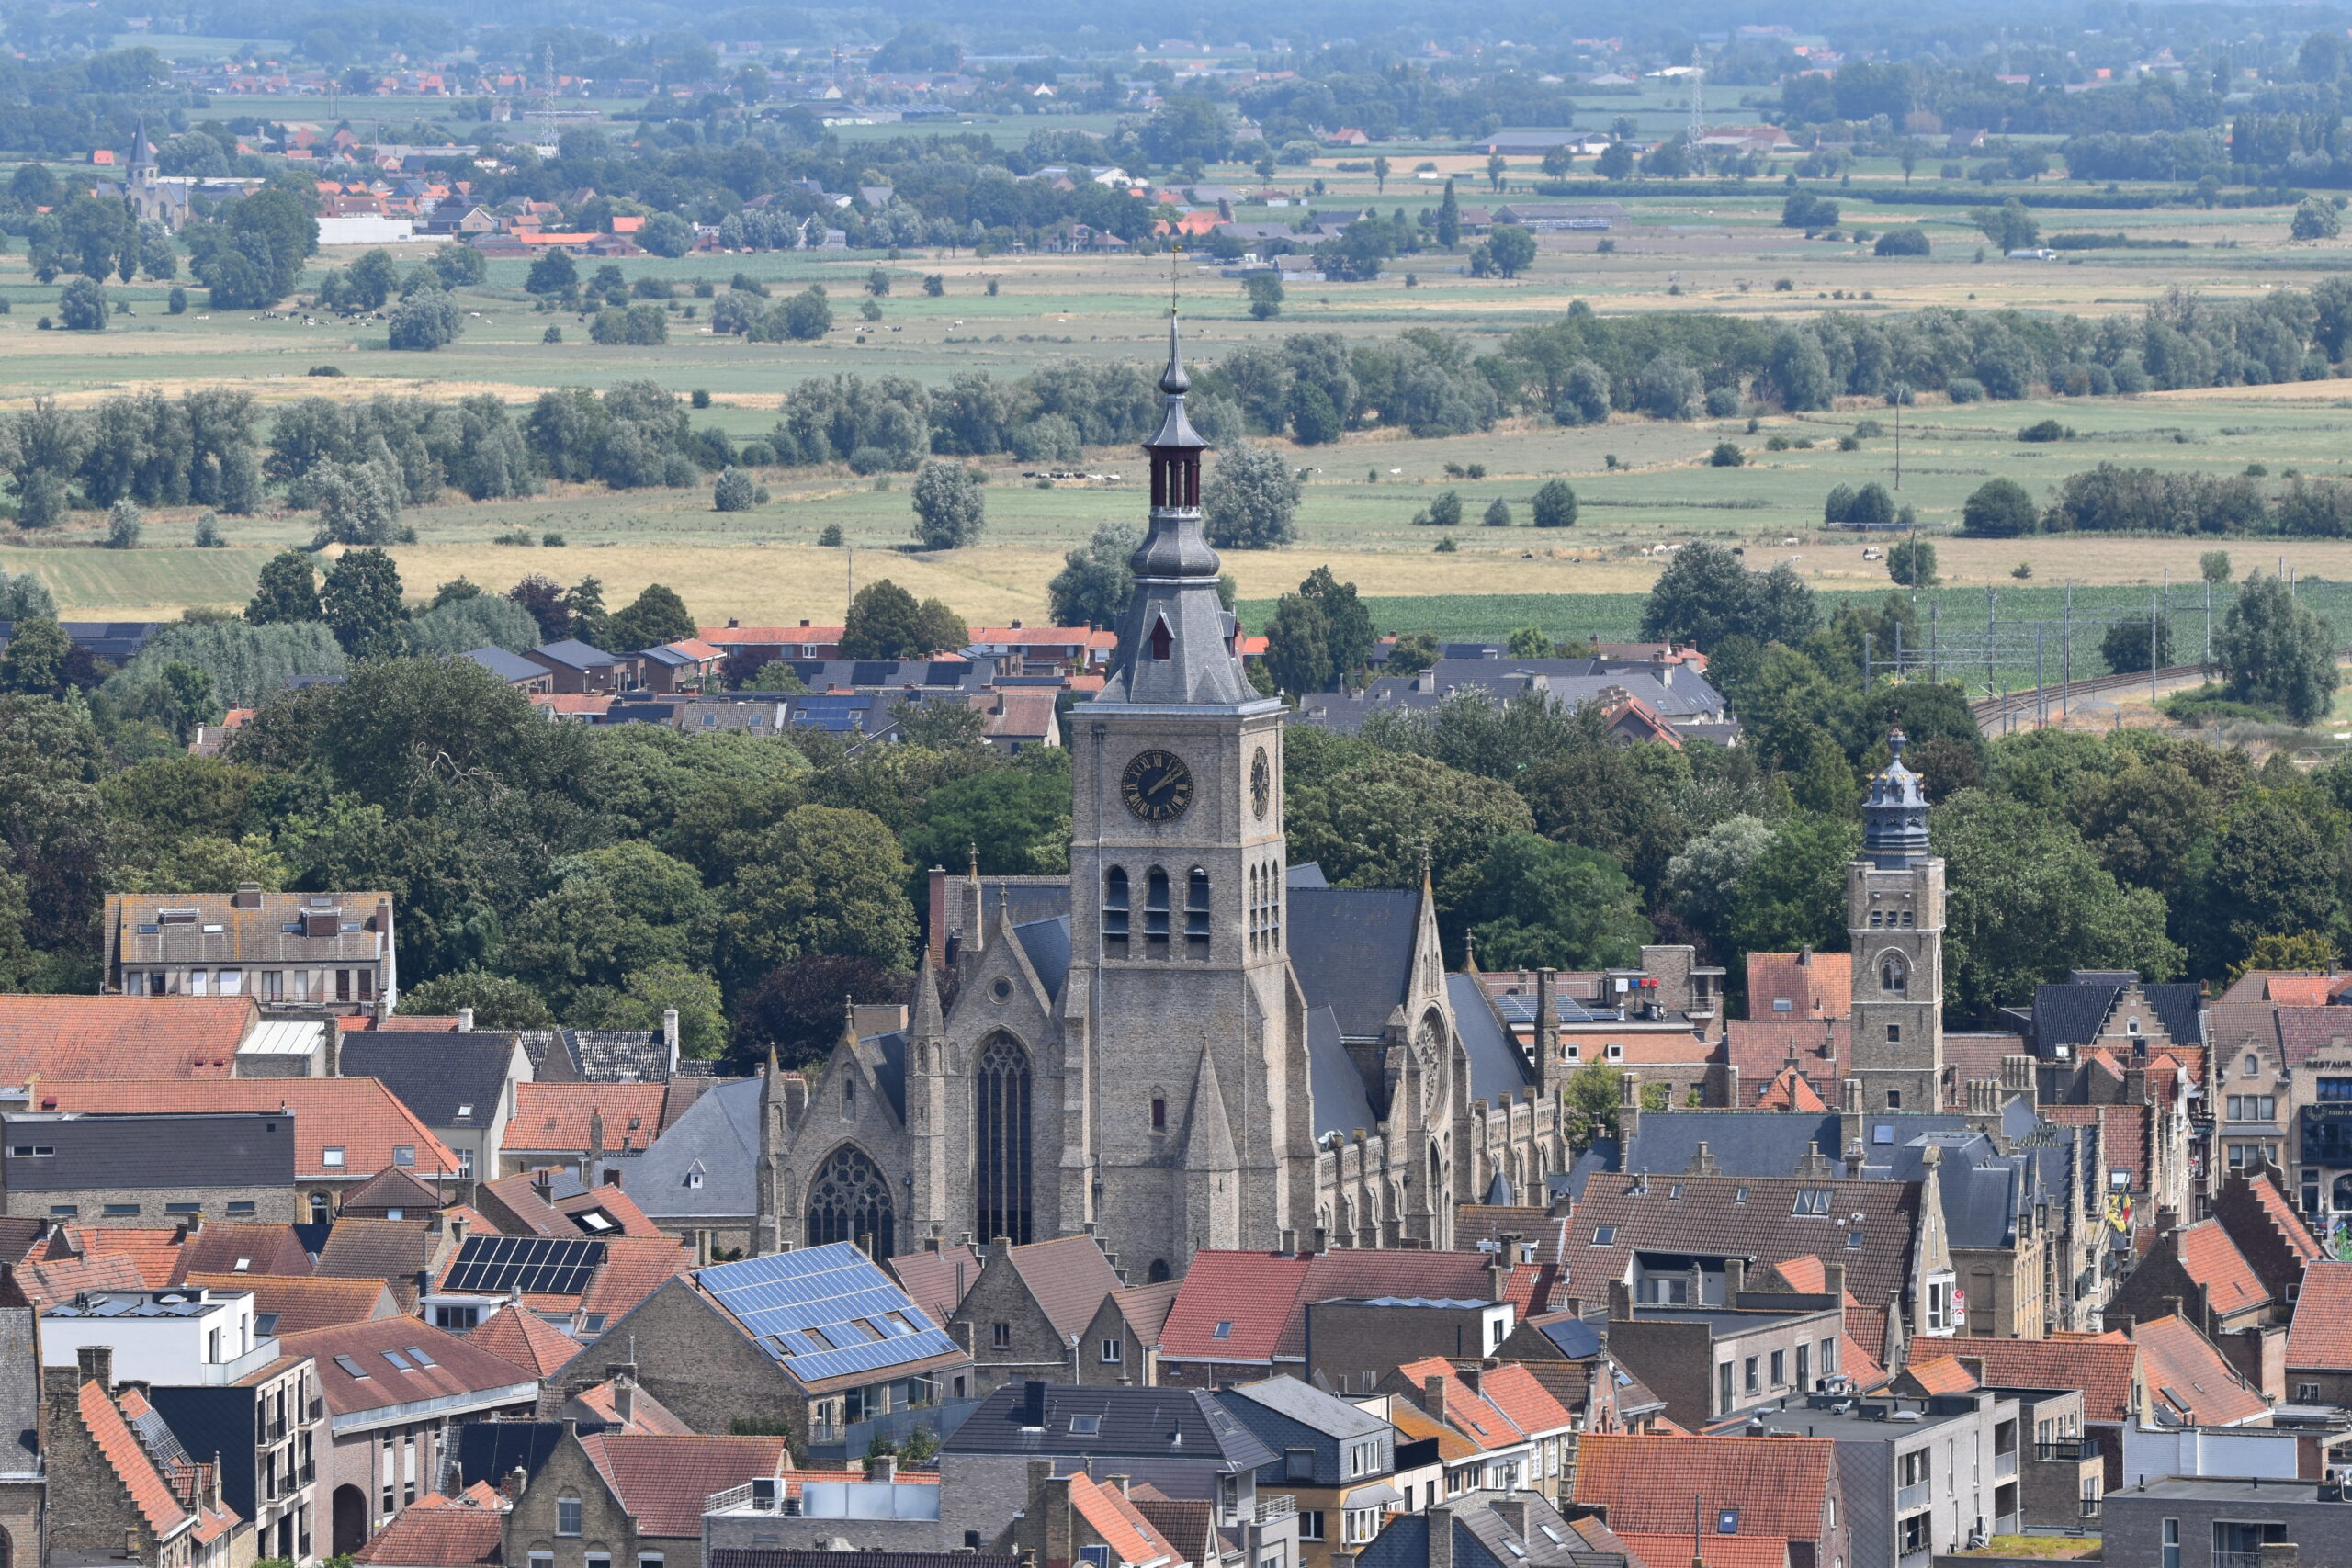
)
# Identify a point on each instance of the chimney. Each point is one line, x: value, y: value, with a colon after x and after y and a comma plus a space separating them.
x: 1629, y: 1109
x: 1621, y: 1301
x: 1547, y: 1031
x: 465, y: 1021
x: 331, y: 1050
x: 543, y: 1183
x: 625, y: 1397
x: 1512, y: 1509
x: 1833, y: 1281
x: 1433, y: 1397
x: 1498, y: 1275
x: 1121, y: 1482
x: 1735, y: 1280
x: 669, y: 1034
x: 456, y: 1230
x: 246, y: 897
x: 882, y: 1467
x: 1442, y: 1537
x: 516, y: 1479
x: 96, y: 1363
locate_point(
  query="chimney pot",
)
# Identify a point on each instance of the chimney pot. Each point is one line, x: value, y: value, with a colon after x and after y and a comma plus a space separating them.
x: 465, y: 1021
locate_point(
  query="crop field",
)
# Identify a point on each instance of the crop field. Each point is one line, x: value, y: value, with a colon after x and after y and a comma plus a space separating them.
x: 1642, y: 483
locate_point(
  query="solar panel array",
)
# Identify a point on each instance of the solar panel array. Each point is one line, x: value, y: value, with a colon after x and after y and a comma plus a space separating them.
x: 556, y: 1266
x: 825, y: 1312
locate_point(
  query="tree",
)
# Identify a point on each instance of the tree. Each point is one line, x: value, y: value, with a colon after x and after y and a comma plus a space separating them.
x: 1510, y: 248
x: 666, y: 234
x: 2214, y: 565
x: 499, y: 1001
x: 2124, y: 645
x: 806, y: 315
x: 795, y: 1009
x: 1800, y: 372
x: 1791, y: 893
x: 2028, y: 901
x: 82, y: 307
x: 1498, y: 514
x: 1318, y: 635
x: 734, y: 492
x: 650, y: 994
x: 1095, y: 583
x: 460, y: 266
x: 124, y: 525
x: 542, y: 597
x: 1251, y: 501
x: 1726, y: 454
x: 1365, y: 814
x: 1590, y: 1097
x: 1584, y: 395
x: 1616, y: 162
x: 426, y: 320
x: 1912, y: 563
x: 610, y: 913
x: 2008, y: 226
x: 1264, y: 290
x: 35, y: 659
x: 1701, y: 597
x: 884, y: 622
x: 1528, y: 642
x: 1702, y: 880
x: 361, y: 601
x: 371, y: 279
x: 1535, y: 904
x: 1449, y: 219
x: 287, y: 590
x: 50, y: 445
x: 1911, y: 242
x: 2000, y: 509
x: 2274, y: 651
x: 656, y: 616
x: 776, y: 675
x: 823, y: 879
x: 2316, y: 219
x: 950, y: 509
x: 1556, y: 505
x: 358, y: 505
x: 583, y: 613
x: 553, y: 273
x: 251, y: 254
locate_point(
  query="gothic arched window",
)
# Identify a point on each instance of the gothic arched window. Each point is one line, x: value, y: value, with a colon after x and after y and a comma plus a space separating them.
x: 850, y: 1199
x: 1001, y: 1104
x: 1894, y: 975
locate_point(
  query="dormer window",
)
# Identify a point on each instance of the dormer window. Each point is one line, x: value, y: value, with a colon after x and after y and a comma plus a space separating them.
x: 1160, y: 639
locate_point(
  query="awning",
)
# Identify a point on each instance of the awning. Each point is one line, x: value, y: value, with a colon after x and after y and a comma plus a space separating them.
x: 1380, y: 1495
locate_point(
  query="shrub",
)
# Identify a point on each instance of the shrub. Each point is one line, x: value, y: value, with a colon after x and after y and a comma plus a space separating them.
x: 2044, y: 430
x: 1912, y: 563
x: 1902, y: 242
x: 1723, y: 402
x: 1556, y: 505
x: 207, y: 532
x: 175, y: 302
x: 82, y: 307
x: 426, y: 320
x: 2000, y: 509
x: 733, y: 492
x: 124, y: 525
x: 1964, y: 389
x: 1726, y: 454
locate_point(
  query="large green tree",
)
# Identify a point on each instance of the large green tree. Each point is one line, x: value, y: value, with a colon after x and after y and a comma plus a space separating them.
x: 822, y: 880
x: 1095, y: 583
x: 654, y: 617
x: 610, y: 913
x: 1535, y: 904
x: 287, y: 590
x: 1793, y: 895
x: 361, y: 601
x: 2273, y: 650
x: 1250, y: 501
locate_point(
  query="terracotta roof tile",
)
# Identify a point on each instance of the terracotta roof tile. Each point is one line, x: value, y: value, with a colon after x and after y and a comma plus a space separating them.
x: 2305, y: 1030
x: 301, y: 1302
x: 143, y: 1037
x: 1820, y: 986
x: 2298, y: 990
x: 1069, y: 1277
x: 1804, y: 1275
x: 523, y: 1337
x: 435, y: 1532
x: 2183, y: 1372
x: 2104, y: 1366
x: 1125, y: 1531
x: 1789, y: 1091
x: 1416, y: 1426
x: 662, y: 1481
x: 1507, y: 1407
x: 380, y: 1249
x: 1941, y: 1374
x: 156, y: 1502
x: 1760, y: 1048
x: 359, y: 1116
x: 1145, y: 1308
x: 154, y: 1252
x: 1780, y: 1485
x: 2319, y: 1338
x: 1859, y: 1365
x: 1264, y: 1295
x: 1741, y: 1550
x: 936, y: 1280
x: 648, y: 1416
x: 47, y: 1282
x: 633, y: 1267
x: 555, y: 1116
x: 2123, y: 1134
x: 2208, y: 1256
x: 1515, y: 1392
x: 274, y: 1250
x: 1186, y: 1524
x: 457, y: 1366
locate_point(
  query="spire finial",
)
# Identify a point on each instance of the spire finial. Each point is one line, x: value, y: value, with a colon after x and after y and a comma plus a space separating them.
x: 1895, y: 742
x: 1173, y: 382
x: 849, y: 1019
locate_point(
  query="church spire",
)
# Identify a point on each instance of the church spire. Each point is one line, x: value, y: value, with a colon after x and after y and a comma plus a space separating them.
x: 1894, y: 813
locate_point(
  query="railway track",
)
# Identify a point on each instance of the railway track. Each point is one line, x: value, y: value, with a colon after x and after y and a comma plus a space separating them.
x: 1998, y: 716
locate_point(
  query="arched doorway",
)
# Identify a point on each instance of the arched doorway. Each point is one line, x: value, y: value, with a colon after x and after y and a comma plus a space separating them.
x: 850, y: 1199
x: 1157, y: 1274
x: 350, y: 1519
x: 1000, y: 1149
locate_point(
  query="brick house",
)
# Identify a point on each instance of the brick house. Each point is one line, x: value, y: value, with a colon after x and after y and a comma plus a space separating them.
x: 330, y: 952
x: 2318, y: 1341
x: 1122, y: 1342
x: 118, y: 1477
x: 71, y: 1167
x: 1026, y: 1312
x: 1785, y: 1490
x: 606, y: 1498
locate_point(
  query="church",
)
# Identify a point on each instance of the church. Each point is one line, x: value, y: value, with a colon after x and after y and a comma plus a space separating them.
x: 1187, y: 1041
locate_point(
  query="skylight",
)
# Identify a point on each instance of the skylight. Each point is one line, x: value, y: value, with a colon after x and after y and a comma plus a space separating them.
x: 1604, y: 1235
x: 420, y: 1357
x: 1222, y: 1331
x: 397, y: 1360
x: 1086, y: 1425
x: 351, y: 1368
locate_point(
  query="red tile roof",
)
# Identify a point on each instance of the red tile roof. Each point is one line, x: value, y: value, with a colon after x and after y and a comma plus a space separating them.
x: 1505, y: 1407
x: 938, y: 1280
x: 435, y: 1532
x: 46, y: 1282
x: 458, y: 1367
x: 523, y: 1337
x: 1513, y: 1390
x: 2104, y: 1366
x: 157, y: 1504
x: 1414, y: 1425
x: 1780, y: 1485
x: 1815, y: 985
x: 306, y: 1301
x: 633, y: 1267
x: 1804, y: 1275
x: 155, y: 1253
x: 2186, y: 1374
x: 1857, y: 1365
x: 1789, y: 1091
x: 2123, y: 1135
x: 1130, y: 1536
x: 1264, y: 1295
x: 359, y: 1116
x: 616, y: 1204
x: 555, y: 1116
x: 1741, y: 1550
x: 662, y: 1481
x: 647, y: 1415
x: 2319, y: 1338
x: 124, y: 1037
x: 2208, y: 1256
x: 265, y: 1248
x: 1942, y: 1374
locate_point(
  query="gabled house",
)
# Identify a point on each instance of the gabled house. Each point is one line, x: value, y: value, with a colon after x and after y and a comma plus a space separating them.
x: 1523, y: 1439
x: 1025, y: 1316
x: 617, y: 1497
x: 1784, y: 1490
x: 2318, y: 1341
x: 1339, y: 1461
x: 2190, y: 1384
x: 1122, y: 1344
x: 1074, y: 1519
x: 463, y: 1084
x: 132, y: 1485
x: 1239, y: 1317
x: 578, y: 668
x: 1495, y: 1528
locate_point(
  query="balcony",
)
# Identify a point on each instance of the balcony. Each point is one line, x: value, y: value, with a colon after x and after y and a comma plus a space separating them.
x: 1909, y: 1498
x: 2236, y: 1559
x: 1275, y: 1506
x: 2005, y: 1464
x: 2065, y: 1450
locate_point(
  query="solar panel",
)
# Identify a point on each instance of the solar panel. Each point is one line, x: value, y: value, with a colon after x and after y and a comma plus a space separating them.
x: 494, y: 1265
x: 806, y: 1305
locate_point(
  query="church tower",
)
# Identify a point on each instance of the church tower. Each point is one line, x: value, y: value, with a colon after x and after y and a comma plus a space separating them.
x: 1895, y: 920
x: 1179, y: 986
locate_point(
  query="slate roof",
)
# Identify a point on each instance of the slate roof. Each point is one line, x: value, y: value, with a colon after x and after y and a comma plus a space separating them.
x: 1046, y: 945
x: 2208, y: 1256
x: 1262, y: 1296
x: 1498, y: 1067
x: 1779, y: 1484
x: 2320, y: 1336
x: 1069, y: 1277
x: 447, y: 1367
x: 2104, y: 1366
x: 597, y: 1055
x: 2071, y: 1012
x: 1308, y: 1405
x: 717, y: 1138
x: 1744, y: 1143
x: 518, y: 1335
x: 662, y: 1481
x: 2188, y: 1381
x: 507, y: 666
x: 435, y: 1074
x: 126, y: 1037
x: 359, y: 1116
x: 573, y: 654
x: 1137, y: 1423
x: 1341, y: 1105
x: 298, y: 1303
x: 1711, y: 1219
x: 1983, y: 1191
x: 936, y: 1280
x: 1352, y: 948
x: 200, y: 1149
x: 435, y: 1532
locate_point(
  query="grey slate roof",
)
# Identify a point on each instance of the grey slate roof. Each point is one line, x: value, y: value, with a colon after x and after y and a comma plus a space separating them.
x: 433, y: 1073
x: 1308, y: 1405
x: 1569, y: 1183
x: 603, y: 1055
x: 1308, y: 874
x: 573, y: 654
x: 504, y: 665
x: 1340, y: 1103
x: 1046, y: 944
x: 1983, y: 1191
x: 959, y: 675
x: 228, y: 1148
x: 1744, y: 1143
x: 1352, y: 948
x: 718, y: 1135
x: 2071, y: 1013
x: 1498, y: 1067
x: 1143, y: 1423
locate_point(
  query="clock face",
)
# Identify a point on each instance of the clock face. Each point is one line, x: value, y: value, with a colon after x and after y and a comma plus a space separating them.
x: 1156, y: 786
x: 1262, y: 783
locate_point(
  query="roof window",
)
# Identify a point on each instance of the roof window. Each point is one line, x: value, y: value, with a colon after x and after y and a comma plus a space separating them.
x: 351, y: 1368
x: 1086, y: 1425
x: 1604, y: 1235
x: 1223, y: 1330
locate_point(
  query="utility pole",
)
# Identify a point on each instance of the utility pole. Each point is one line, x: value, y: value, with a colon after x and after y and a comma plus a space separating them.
x: 2067, y: 658
x: 1902, y: 395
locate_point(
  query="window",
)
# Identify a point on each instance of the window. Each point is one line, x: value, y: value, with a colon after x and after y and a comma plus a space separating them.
x: 1086, y: 1425
x: 331, y: 1157
x: 1727, y: 1521
x: 1804, y: 1367
x: 648, y: 1560
x: 182, y: 1208
x: 32, y: 1151
x: 566, y: 1515
x: 2252, y: 1107
x: 2252, y: 1067
x: 1893, y: 977
x: 1310, y: 1523
x: 1854, y: 1241
x: 1114, y: 1351
x: 351, y: 1368
x: 1001, y: 1335
x: 403, y: 1153
x: 121, y: 1210
x: 1158, y: 1113
x: 1223, y: 1330
x: 1155, y: 913
x: 1739, y: 1195
x: 65, y: 1210
x: 1754, y: 1379
x: 465, y: 1110
x: 1893, y: 1096
x: 1895, y: 1034
x: 2307, y: 1394
x: 1780, y: 1367
x: 2333, y: 1090
x: 1115, y: 913
x: 1616, y: 1052
x: 1299, y: 1464
x: 2090, y: 1496
x: 1000, y: 1103
x: 1723, y: 1389
x: 1196, y: 914
x: 1913, y: 1533
x: 2172, y: 1543
x: 598, y: 1559
x: 1829, y: 1357
x: 1813, y: 1201
x: 1604, y: 1235
x: 241, y: 1206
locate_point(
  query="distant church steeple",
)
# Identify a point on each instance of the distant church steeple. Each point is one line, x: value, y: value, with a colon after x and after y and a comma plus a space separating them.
x: 142, y: 157
x: 1894, y: 813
